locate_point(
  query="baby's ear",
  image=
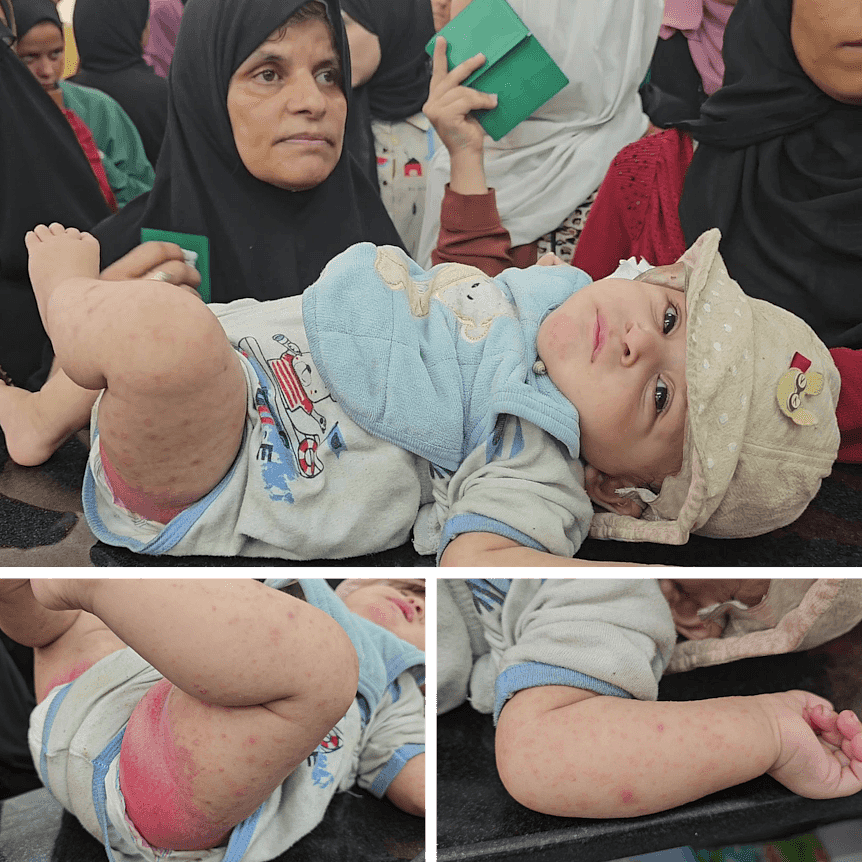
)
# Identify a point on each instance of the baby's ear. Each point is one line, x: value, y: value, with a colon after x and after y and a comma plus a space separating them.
x: 601, y: 489
x: 684, y: 610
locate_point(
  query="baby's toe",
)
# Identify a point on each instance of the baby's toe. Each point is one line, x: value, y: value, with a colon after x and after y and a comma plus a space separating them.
x: 42, y: 232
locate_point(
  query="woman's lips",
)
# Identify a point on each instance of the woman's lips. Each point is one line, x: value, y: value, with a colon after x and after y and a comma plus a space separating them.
x: 406, y: 608
x: 307, y: 138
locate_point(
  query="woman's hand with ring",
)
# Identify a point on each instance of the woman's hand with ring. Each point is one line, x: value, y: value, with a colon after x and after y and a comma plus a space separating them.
x: 157, y: 260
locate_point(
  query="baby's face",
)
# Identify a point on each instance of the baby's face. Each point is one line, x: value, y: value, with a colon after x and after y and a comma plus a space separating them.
x: 398, y: 606
x: 616, y: 349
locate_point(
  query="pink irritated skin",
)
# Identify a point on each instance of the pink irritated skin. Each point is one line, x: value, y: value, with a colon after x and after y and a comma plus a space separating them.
x: 156, y: 780
x: 70, y: 674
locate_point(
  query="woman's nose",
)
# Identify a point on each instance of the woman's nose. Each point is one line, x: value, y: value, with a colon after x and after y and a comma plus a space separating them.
x: 304, y: 95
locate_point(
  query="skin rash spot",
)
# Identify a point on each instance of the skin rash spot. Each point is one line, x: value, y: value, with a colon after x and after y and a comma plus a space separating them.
x: 660, y: 728
x: 627, y: 796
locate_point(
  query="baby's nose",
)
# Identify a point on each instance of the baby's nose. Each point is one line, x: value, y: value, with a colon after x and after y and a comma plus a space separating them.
x: 637, y: 342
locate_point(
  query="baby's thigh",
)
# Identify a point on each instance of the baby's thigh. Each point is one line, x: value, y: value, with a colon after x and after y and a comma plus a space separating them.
x: 87, y: 641
x: 171, y: 433
x: 190, y: 771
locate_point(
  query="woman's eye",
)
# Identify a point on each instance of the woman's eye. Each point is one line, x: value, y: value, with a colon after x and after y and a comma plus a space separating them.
x: 661, y: 395
x: 670, y: 318
x: 330, y: 76
x: 267, y: 75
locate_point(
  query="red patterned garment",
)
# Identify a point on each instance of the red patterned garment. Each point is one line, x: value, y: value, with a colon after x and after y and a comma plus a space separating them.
x: 635, y: 211
x: 91, y: 151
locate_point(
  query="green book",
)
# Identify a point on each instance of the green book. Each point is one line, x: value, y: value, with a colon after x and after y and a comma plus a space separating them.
x: 200, y: 245
x: 517, y: 68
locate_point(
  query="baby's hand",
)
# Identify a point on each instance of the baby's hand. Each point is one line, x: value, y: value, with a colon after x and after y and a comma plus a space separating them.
x: 449, y: 104
x: 820, y: 750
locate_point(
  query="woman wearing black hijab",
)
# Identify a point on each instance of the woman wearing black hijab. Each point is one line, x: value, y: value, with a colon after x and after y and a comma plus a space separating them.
x: 779, y: 166
x: 397, y: 86
x: 109, y: 35
x: 265, y: 241
x: 44, y: 177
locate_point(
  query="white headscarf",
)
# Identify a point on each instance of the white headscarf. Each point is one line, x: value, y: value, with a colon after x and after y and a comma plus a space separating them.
x: 554, y: 160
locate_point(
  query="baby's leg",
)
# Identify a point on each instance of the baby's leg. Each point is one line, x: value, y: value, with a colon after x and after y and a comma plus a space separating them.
x: 65, y: 642
x: 36, y: 424
x: 172, y: 417
x: 254, y: 680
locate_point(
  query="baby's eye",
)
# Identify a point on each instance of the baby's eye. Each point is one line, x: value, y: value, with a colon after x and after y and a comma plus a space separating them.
x: 670, y: 318
x: 661, y: 395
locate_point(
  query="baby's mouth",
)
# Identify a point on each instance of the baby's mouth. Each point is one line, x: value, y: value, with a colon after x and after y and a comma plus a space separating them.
x: 598, y: 337
x: 406, y: 608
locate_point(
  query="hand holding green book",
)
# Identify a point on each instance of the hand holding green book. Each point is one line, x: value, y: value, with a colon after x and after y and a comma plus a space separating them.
x: 517, y: 68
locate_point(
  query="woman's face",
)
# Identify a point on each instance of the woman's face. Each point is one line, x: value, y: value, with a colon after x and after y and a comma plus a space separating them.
x: 287, y: 107
x: 827, y: 39
x: 43, y: 51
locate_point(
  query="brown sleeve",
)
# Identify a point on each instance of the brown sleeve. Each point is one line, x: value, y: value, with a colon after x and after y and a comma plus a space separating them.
x: 471, y: 232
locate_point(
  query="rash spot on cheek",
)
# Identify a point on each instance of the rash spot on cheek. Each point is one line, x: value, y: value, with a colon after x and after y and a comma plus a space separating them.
x: 660, y: 728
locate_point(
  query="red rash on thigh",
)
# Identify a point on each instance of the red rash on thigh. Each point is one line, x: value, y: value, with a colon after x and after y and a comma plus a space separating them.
x: 627, y: 796
x: 155, y: 777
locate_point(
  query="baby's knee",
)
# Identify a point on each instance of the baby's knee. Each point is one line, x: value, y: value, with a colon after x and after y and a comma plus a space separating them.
x: 171, y: 338
x: 335, y: 692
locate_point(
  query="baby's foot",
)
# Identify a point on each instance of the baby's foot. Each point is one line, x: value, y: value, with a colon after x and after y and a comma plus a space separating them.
x: 30, y: 440
x: 58, y: 253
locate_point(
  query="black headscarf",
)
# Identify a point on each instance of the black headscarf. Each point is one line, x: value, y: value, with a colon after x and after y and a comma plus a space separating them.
x: 29, y: 13
x: 399, y: 87
x: 265, y: 242
x: 779, y: 171
x: 108, y: 37
x: 44, y: 177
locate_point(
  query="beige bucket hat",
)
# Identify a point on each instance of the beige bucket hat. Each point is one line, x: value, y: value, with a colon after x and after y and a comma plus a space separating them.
x: 796, y: 614
x: 761, y: 431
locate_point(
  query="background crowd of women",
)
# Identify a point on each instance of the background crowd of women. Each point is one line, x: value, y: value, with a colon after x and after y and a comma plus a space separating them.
x: 767, y: 91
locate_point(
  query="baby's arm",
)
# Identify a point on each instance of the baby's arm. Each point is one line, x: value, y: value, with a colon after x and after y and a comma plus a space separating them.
x: 407, y: 790
x: 570, y: 752
x: 490, y: 549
